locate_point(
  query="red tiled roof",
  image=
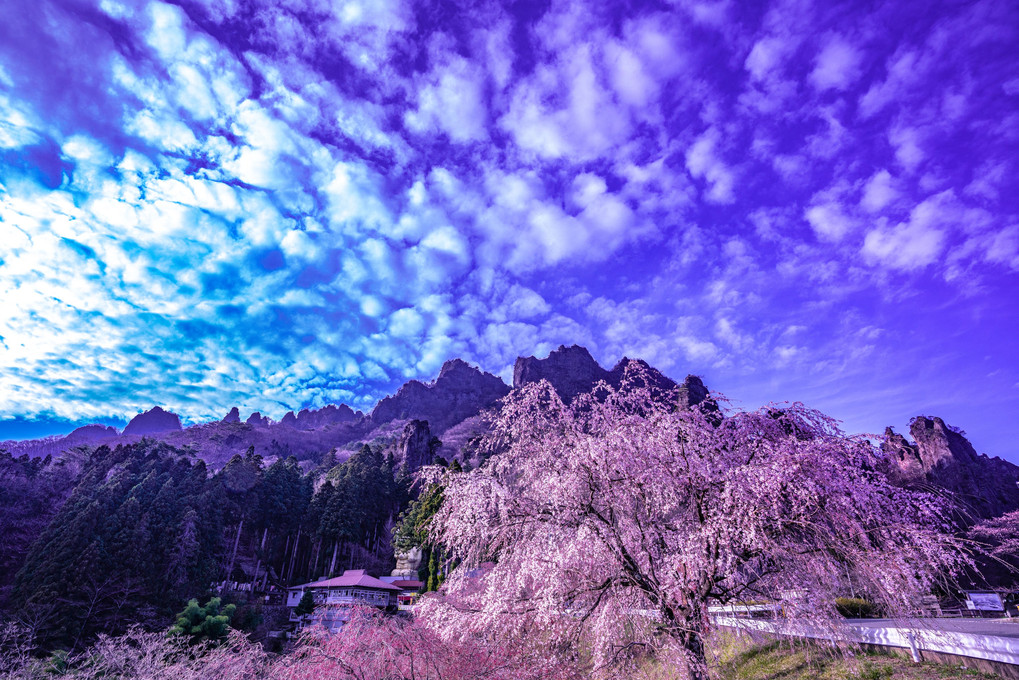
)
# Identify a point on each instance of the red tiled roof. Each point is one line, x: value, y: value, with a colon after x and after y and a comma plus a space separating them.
x: 407, y: 585
x: 350, y: 578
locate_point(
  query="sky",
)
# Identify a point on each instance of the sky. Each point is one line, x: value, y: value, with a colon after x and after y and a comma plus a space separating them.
x: 277, y: 205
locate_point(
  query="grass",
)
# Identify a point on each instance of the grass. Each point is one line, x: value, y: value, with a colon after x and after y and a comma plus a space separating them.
x: 740, y: 658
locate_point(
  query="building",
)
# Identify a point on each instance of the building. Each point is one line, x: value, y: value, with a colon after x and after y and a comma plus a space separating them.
x: 334, y: 596
x: 409, y: 590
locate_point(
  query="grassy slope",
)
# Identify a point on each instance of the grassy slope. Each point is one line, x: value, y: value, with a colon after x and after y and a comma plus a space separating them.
x: 743, y: 660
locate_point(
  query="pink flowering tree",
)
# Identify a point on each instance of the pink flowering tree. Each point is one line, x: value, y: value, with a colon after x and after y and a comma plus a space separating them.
x: 607, y: 527
x: 1000, y: 533
x: 373, y: 646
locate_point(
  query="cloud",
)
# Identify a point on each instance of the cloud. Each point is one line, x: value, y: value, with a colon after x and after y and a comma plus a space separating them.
x: 878, y: 192
x: 287, y: 204
x: 451, y: 101
x: 828, y: 222
x: 837, y: 65
x: 703, y: 163
x: 915, y: 243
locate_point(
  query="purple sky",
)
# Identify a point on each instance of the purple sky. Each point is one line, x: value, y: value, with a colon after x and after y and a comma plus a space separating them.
x: 301, y: 202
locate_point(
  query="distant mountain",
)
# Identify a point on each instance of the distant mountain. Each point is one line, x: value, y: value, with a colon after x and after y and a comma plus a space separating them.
x: 91, y: 433
x: 942, y: 457
x: 570, y: 370
x: 153, y: 421
x: 460, y: 391
x: 443, y: 418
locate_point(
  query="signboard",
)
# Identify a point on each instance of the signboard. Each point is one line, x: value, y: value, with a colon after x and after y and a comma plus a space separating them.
x: 988, y: 602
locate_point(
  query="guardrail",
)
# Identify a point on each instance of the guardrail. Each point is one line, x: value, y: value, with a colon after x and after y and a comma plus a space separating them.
x: 915, y: 638
x: 747, y: 609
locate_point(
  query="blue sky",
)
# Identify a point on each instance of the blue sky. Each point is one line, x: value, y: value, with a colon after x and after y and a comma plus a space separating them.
x: 288, y: 204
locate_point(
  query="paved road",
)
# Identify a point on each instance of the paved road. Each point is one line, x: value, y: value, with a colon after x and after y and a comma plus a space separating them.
x: 999, y: 627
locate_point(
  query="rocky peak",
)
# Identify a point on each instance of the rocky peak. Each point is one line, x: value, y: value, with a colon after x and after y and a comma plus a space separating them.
x: 416, y: 446
x: 692, y: 392
x: 233, y: 417
x: 289, y: 420
x: 942, y: 456
x: 153, y: 421
x: 256, y: 419
x: 939, y: 444
x: 638, y: 373
x: 92, y: 433
x: 904, y: 455
x: 459, y: 392
x: 570, y: 370
x: 309, y: 419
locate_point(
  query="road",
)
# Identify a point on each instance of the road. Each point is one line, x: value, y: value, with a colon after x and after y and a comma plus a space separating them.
x: 998, y: 627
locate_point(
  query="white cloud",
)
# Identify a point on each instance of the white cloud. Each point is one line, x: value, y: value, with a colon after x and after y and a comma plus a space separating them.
x: 916, y: 243
x: 878, y: 192
x: 567, y: 110
x: 828, y: 222
x: 837, y: 65
x: 450, y: 99
x: 765, y: 57
x: 906, y: 142
x: 703, y: 163
x: 902, y: 68
x: 1003, y: 247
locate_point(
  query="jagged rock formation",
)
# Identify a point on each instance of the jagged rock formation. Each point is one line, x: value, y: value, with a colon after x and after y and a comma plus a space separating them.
x: 460, y: 391
x: 693, y: 392
x: 91, y: 433
x: 940, y: 445
x: 153, y: 421
x: 327, y: 415
x: 904, y: 456
x: 233, y: 417
x: 573, y: 371
x: 256, y: 419
x: 942, y: 457
x: 570, y: 370
x: 416, y: 446
x: 289, y: 420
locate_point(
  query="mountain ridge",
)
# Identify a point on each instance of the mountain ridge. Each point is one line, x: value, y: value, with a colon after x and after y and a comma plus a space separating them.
x: 452, y: 402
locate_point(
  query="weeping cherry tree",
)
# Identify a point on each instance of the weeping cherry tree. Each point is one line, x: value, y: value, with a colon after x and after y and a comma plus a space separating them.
x: 605, y: 528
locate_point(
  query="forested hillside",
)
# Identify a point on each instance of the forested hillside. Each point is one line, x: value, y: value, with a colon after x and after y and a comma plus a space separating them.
x: 110, y: 537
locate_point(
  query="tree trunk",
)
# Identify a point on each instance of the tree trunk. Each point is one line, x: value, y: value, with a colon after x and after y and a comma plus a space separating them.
x: 283, y: 562
x: 697, y: 666
x: 258, y: 563
x: 233, y: 554
x: 293, y: 556
x: 685, y: 631
x: 332, y: 564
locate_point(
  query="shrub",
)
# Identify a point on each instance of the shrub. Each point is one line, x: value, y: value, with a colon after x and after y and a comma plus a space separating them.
x: 854, y: 608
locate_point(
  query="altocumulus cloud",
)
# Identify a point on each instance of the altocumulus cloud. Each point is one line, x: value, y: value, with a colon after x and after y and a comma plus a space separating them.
x: 274, y: 205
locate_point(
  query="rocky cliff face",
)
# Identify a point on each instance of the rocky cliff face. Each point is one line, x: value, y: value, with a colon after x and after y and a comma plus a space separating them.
x: 91, y: 433
x: 416, y: 446
x: 327, y: 415
x: 153, y: 421
x: 460, y: 391
x: 256, y: 419
x: 573, y: 371
x: 942, y: 456
x: 570, y: 370
x: 233, y: 417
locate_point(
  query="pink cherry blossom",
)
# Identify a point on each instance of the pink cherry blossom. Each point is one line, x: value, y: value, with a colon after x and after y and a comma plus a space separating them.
x: 610, y: 525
